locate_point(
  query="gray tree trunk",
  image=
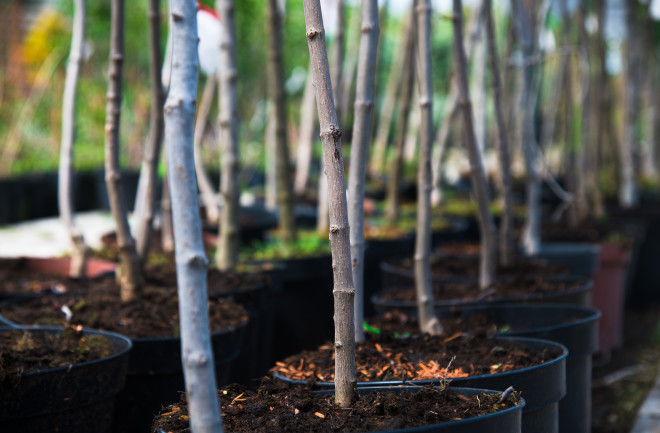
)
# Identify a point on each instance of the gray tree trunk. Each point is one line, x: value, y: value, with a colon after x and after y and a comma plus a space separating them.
x: 129, y: 274
x: 479, y: 183
x: 167, y: 229
x: 227, y: 255
x: 307, y: 136
x: 191, y: 263
x: 506, y: 241
x: 450, y: 109
x: 650, y: 151
x: 206, y: 190
x: 337, y: 54
x: 525, y: 18
x: 344, y: 292
x: 628, y: 194
x: 364, y: 103
x: 80, y: 251
x: 399, y: 64
x: 277, y: 96
x: 393, y: 208
x: 153, y: 147
x: 423, y: 285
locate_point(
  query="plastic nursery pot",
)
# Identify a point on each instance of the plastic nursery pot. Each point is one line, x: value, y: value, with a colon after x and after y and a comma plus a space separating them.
x: 542, y: 385
x: 608, y: 296
x: 155, y: 376
x: 582, y: 259
x: 504, y: 421
x: 303, y: 308
x: 578, y: 295
x: 576, y: 327
x: 76, y: 399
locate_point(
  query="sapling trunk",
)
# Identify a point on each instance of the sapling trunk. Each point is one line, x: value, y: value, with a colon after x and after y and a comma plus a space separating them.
x: 307, y: 136
x: 337, y: 58
x: 227, y: 255
x: 423, y: 285
x: 277, y: 97
x: 584, y: 162
x: 206, y: 190
x: 393, y: 208
x: 506, y: 241
x: 129, y: 273
x: 525, y: 18
x: 450, y: 110
x: 343, y: 291
x: 478, y: 178
x: 80, y: 251
x: 364, y: 103
x: 628, y: 194
x: 399, y: 65
x: 166, y: 230
x: 153, y: 146
x: 191, y: 263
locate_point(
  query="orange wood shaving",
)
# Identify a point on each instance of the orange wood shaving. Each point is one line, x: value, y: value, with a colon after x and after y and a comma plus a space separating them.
x: 319, y: 414
x: 452, y: 337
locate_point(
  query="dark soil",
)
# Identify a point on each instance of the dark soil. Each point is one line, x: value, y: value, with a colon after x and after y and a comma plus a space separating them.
x: 23, y: 351
x: 155, y: 315
x: 16, y: 278
x: 505, y: 287
x: 277, y: 409
x: 622, y: 382
x: 386, y: 357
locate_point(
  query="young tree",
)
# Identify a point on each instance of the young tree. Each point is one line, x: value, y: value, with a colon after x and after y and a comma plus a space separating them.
x: 343, y: 291
x: 191, y: 263
x: 307, y: 136
x: 153, y: 147
x: 479, y: 183
x: 506, y: 242
x: 393, y: 208
x: 277, y: 96
x: 364, y: 103
x: 80, y: 250
x: 423, y: 285
x: 524, y: 13
x: 129, y: 273
x: 227, y: 256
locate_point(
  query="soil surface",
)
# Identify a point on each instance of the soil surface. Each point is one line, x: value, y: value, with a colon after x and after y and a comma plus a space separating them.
x: 389, y: 356
x: 16, y: 278
x: 522, y: 287
x: 155, y: 315
x: 283, y: 409
x: 24, y: 351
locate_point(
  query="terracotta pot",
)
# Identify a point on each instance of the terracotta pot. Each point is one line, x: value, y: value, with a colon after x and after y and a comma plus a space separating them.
x: 608, y: 296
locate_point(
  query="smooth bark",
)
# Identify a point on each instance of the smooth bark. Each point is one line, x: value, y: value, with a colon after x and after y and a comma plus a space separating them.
x: 80, y: 251
x: 337, y: 58
x: 393, y: 208
x: 153, y: 147
x: 364, y: 103
x: 167, y: 229
x: 478, y: 174
x: 399, y: 65
x: 207, y: 192
x: 525, y: 19
x: 191, y: 263
x: 129, y: 274
x: 307, y: 136
x: 343, y: 291
x: 506, y: 241
x: 227, y: 255
x: 277, y: 96
x: 423, y: 285
x: 628, y: 191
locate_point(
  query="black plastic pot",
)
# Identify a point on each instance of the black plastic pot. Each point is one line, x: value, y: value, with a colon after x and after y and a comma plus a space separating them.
x: 581, y: 295
x: 302, y: 309
x: 542, y: 386
x: 155, y: 375
x: 582, y: 259
x: 505, y: 421
x: 73, y: 399
x: 575, y: 327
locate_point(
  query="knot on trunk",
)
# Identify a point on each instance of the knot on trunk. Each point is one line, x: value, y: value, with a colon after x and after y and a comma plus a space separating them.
x: 312, y: 33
